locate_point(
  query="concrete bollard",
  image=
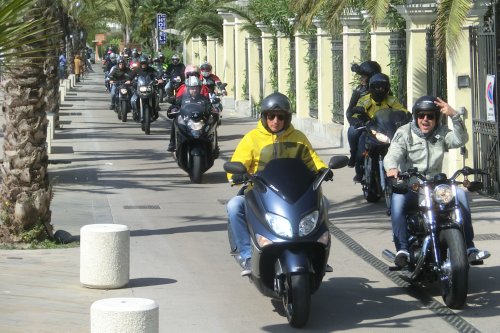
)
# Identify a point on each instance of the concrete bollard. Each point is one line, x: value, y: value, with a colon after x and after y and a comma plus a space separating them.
x: 72, y: 80
x: 62, y: 92
x: 50, y: 131
x: 120, y: 315
x: 104, y: 256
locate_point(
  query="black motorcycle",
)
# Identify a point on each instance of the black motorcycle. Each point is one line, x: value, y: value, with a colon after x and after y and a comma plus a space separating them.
x: 379, y: 133
x: 196, y: 140
x: 288, y: 222
x: 122, y: 104
x: 144, y: 102
x: 435, y: 230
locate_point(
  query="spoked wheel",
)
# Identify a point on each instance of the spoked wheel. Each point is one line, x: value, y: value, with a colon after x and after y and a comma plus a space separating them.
x: 455, y: 269
x: 196, y: 171
x: 297, y: 300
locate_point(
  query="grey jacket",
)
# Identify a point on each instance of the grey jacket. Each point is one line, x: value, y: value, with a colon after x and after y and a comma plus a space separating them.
x: 408, y: 150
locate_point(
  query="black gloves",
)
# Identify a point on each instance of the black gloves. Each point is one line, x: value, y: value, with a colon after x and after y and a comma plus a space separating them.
x: 238, y: 179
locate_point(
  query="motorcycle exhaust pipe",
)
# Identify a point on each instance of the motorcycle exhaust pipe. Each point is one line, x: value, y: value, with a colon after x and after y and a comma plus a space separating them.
x: 388, y: 255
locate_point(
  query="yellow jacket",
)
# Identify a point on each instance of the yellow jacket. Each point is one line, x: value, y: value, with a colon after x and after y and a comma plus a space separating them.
x: 259, y: 146
x: 371, y: 107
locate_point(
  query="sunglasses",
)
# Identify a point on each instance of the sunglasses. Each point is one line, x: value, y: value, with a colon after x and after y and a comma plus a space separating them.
x: 271, y: 116
x: 423, y: 115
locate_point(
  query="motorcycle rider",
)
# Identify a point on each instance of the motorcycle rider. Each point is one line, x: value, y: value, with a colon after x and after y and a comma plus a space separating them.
x: 174, y: 69
x: 145, y: 70
x: 422, y: 144
x: 209, y: 79
x: 119, y: 73
x: 189, y: 92
x: 255, y: 149
x: 365, y: 71
x: 378, y: 98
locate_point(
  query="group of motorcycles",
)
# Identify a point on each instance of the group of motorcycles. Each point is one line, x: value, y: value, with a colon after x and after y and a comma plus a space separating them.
x: 288, y: 223
x: 195, y: 130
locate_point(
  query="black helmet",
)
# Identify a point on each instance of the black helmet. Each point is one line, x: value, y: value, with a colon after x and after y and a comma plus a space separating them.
x: 276, y: 102
x: 379, y: 86
x: 367, y: 68
x: 143, y: 60
x: 426, y: 103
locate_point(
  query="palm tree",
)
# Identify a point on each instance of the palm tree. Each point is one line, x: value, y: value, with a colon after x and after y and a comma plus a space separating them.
x: 27, y: 40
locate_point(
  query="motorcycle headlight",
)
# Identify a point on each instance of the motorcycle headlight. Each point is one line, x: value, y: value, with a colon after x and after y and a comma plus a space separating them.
x: 123, y: 91
x: 443, y: 194
x: 144, y: 89
x: 381, y: 137
x: 195, y: 125
x: 308, y: 223
x: 280, y: 225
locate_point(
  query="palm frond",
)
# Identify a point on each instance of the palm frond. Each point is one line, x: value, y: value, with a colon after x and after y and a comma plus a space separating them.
x: 451, y: 15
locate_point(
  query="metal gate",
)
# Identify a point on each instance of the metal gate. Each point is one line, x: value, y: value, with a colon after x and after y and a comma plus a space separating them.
x: 484, y: 62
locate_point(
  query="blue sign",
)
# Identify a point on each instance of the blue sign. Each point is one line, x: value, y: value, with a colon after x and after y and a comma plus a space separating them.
x: 161, y: 21
x: 162, y: 38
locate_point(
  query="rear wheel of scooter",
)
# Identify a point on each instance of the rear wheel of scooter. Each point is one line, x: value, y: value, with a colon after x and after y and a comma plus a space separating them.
x: 124, y: 110
x: 455, y: 269
x: 147, y: 120
x: 297, y: 300
x: 196, y: 173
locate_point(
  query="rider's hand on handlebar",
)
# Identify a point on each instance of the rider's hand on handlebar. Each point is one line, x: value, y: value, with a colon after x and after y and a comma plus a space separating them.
x: 393, y: 173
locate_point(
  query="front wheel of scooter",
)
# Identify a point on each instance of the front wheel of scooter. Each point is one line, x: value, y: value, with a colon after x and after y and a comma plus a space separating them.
x: 297, y: 299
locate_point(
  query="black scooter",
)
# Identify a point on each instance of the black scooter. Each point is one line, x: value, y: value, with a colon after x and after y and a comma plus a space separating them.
x: 288, y: 223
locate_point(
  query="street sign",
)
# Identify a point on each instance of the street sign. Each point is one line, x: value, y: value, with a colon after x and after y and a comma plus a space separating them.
x: 162, y: 38
x: 161, y: 21
x: 490, y: 103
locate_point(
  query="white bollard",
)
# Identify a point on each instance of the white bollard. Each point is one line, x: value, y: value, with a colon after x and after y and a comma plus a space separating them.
x: 124, y: 315
x: 50, y: 131
x: 104, y: 256
x: 62, y: 93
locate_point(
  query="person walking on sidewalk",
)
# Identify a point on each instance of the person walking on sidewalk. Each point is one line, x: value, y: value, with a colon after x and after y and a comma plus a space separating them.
x: 78, y: 67
x: 421, y: 144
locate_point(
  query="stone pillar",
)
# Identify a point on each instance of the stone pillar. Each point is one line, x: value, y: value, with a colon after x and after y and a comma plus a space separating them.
x: 239, y: 59
x: 325, y: 69
x: 228, y: 56
x: 351, y: 34
x: 254, y: 73
x: 301, y: 75
x: 202, y: 51
x: 195, y: 60
x: 418, y: 17
x: 212, y: 53
x: 267, y: 44
x: 283, y: 44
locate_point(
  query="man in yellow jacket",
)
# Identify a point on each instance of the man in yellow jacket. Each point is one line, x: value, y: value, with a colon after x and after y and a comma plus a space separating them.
x: 274, y: 137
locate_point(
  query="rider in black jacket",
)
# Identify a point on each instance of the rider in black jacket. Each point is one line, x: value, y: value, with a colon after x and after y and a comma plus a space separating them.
x: 174, y: 69
x: 145, y: 70
x: 119, y: 74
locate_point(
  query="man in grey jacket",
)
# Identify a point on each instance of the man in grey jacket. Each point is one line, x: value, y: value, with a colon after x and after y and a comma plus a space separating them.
x: 421, y: 144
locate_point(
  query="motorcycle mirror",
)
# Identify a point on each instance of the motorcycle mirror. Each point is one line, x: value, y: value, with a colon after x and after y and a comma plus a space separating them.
x: 337, y: 162
x: 236, y: 168
x: 474, y: 186
x: 216, y: 100
x: 222, y: 86
x: 400, y: 188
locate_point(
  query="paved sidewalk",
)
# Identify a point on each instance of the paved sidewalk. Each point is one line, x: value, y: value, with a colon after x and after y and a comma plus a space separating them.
x: 40, y: 289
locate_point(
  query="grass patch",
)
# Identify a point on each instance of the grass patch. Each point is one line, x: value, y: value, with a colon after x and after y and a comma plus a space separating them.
x: 36, y: 245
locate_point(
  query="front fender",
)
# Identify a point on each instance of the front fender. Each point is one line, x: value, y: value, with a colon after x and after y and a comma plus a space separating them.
x: 292, y: 262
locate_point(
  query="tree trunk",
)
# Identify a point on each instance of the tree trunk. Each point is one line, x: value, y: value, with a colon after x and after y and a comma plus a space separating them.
x: 25, y: 189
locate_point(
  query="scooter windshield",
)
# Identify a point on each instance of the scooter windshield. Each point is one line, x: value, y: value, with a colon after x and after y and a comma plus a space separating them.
x: 289, y: 177
x: 388, y: 121
x: 192, y: 110
x: 143, y: 80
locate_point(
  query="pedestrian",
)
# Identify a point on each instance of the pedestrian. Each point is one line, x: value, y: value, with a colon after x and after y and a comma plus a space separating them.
x: 61, y: 69
x: 77, y: 69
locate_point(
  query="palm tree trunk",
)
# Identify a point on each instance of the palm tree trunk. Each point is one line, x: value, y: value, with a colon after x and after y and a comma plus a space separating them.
x: 25, y: 189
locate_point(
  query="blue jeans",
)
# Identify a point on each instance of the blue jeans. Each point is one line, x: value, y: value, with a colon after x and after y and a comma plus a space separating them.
x: 236, y: 214
x: 356, y: 139
x: 401, y: 203
x: 114, y: 96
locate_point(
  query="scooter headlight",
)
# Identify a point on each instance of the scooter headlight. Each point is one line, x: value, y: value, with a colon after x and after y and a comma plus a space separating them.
x: 308, y: 223
x: 280, y: 225
x: 443, y: 194
x: 196, y: 125
x: 123, y: 91
x: 381, y: 137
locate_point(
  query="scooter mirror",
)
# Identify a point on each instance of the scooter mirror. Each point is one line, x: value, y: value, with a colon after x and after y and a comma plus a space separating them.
x: 236, y: 168
x: 337, y: 162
